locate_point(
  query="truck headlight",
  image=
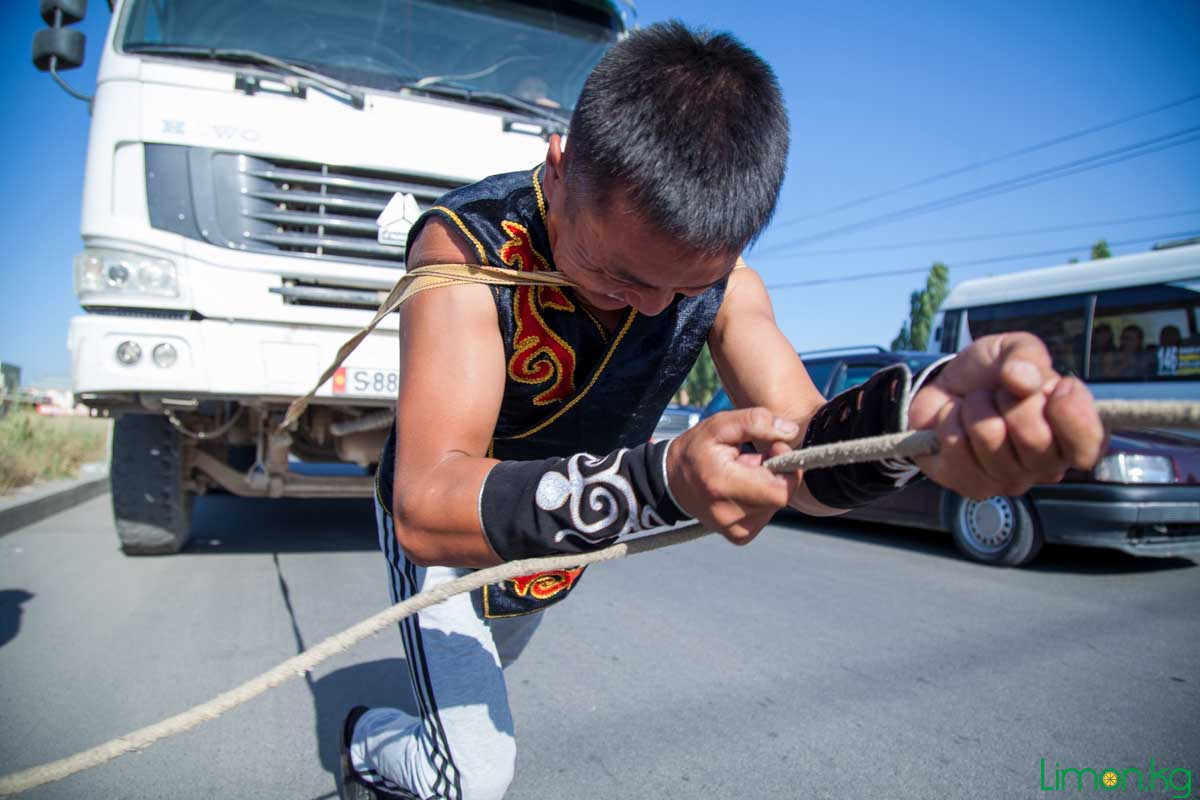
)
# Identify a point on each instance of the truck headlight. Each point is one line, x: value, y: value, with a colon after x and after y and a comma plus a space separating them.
x: 129, y: 353
x: 165, y: 355
x: 115, y: 272
x: 1134, y: 468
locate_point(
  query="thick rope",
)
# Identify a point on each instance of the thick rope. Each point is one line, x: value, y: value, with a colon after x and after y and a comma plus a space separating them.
x: 1115, y: 414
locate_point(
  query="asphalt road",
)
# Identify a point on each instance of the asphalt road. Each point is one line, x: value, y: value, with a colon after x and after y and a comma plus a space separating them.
x: 823, y: 661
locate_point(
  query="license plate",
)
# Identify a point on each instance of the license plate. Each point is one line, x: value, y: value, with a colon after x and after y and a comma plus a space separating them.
x: 356, y: 382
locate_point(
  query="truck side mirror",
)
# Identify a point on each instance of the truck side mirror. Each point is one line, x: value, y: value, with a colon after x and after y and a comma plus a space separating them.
x: 71, y: 11
x: 58, y: 47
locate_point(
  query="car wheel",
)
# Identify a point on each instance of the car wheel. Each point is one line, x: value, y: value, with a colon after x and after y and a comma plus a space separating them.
x: 999, y: 530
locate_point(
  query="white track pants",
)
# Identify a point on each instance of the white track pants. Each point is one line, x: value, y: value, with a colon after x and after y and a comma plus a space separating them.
x: 461, y: 747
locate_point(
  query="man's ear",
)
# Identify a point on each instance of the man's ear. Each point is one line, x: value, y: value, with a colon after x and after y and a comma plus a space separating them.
x: 553, y: 175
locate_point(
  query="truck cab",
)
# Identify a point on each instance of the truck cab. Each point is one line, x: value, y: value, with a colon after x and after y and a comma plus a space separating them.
x: 239, y: 160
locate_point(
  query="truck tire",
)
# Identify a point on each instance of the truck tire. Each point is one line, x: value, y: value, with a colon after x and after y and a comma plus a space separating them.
x: 1000, y: 531
x: 152, y: 510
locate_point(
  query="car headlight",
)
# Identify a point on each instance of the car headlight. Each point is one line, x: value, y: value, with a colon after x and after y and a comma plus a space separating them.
x: 1134, y: 468
x: 115, y: 272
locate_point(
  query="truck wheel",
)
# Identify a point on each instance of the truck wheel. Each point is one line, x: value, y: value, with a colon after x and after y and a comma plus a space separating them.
x: 1000, y: 530
x: 153, y: 511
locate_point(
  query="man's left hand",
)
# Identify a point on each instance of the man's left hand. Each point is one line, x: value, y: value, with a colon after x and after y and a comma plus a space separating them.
x: 1005, y: 419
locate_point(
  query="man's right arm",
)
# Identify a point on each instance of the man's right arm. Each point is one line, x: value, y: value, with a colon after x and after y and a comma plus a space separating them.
x: 451, y: 384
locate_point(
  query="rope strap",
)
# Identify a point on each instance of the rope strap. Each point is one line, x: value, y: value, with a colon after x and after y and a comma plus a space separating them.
x: 411, y: 284
x: 1115, y: 414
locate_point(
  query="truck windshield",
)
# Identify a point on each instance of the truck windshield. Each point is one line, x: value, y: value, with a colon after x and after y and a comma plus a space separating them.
x: 539, y: 51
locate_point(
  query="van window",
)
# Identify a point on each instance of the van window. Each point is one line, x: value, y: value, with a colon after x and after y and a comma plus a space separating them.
x: 951, y: 322
x: 1057, y: 321
x: 1146, y: 333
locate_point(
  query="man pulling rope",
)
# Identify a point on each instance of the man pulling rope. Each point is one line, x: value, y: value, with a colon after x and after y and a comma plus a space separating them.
x: 524, y: 411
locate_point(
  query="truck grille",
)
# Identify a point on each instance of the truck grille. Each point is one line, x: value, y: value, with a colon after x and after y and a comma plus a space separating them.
x: 281, y: 206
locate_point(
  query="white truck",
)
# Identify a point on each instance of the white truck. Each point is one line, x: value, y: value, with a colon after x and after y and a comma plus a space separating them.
x: 239, y: 157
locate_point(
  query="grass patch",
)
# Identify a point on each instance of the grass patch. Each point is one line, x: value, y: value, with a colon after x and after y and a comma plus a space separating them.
x: 36, y: 448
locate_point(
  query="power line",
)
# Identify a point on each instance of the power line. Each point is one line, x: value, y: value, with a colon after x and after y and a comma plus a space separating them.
x: 1095, y: 161
x: 863, y: 276
x: 989, y: 161
x: 1103, y: 159
x: 766, y: 252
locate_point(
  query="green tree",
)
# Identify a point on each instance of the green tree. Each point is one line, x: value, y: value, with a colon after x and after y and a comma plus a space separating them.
x: 702, y: 382
x: 914, y: 333
x: 1100, y: 250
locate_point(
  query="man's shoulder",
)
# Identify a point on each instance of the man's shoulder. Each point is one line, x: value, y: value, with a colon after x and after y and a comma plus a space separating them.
x: 439, y: 242
x: 467, y: 223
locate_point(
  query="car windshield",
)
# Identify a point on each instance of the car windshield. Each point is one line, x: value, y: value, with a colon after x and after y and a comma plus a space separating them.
x: 857, y: 374
x: 539, y: 51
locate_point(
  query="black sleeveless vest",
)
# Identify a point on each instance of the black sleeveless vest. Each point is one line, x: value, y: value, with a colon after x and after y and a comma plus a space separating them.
x: 570, y: 386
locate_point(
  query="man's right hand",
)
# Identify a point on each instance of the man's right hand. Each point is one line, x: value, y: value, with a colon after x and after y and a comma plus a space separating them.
x: 727, y: 490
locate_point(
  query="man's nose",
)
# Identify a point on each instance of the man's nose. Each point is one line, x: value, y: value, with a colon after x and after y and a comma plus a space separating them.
x: 651, y: 303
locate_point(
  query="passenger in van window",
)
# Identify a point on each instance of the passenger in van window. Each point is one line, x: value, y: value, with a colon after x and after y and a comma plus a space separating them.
x: 1133, y: 361
x: 1132, y: 339
x: 1169, y: 336
x: 1102, y: 351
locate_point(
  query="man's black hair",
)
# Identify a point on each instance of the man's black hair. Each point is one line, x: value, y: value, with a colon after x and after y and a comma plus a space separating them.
x: 692, y: 125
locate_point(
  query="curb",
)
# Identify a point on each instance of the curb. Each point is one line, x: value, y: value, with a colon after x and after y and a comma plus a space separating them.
x: 45, y: 501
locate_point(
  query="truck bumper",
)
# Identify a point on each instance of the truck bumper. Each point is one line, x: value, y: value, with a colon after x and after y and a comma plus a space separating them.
x: 1158, y: 521
x: 217, y: 359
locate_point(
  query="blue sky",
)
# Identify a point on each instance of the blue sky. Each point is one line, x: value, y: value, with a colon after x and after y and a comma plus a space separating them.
x: 880, y: 95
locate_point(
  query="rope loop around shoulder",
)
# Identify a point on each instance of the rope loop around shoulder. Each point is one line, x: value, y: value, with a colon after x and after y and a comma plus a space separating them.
x: 409, y: 285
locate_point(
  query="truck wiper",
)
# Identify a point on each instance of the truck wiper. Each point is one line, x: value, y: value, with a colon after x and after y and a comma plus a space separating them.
x: 501, y: 99
x: 341, y: 89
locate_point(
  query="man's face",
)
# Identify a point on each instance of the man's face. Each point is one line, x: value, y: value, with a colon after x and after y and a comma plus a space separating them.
x: 619, y: 261
x: 1131, y: 340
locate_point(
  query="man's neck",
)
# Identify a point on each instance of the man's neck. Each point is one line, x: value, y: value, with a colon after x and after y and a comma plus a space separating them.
x: 609, y: 320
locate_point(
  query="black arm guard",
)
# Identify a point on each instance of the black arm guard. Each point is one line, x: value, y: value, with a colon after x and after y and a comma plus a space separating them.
x: 576, y: 504
x: 874, y: 408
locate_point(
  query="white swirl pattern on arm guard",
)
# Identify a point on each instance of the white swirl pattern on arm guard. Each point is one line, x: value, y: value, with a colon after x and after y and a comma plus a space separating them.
x: 596, y: 481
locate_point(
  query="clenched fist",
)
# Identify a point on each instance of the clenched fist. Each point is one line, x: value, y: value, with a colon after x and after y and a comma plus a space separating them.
x: 1005, y: 420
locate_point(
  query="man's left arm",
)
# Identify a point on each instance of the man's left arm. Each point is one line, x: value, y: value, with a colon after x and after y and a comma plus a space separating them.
x: 1005, y: 420
x: 759, y: 367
